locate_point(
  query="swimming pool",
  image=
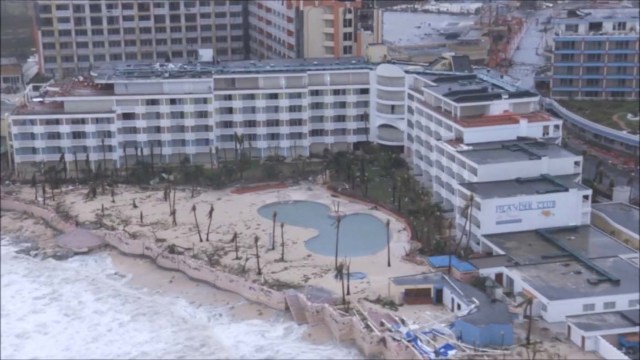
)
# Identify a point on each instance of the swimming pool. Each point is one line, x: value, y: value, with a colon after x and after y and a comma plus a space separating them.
x: 360, y: 234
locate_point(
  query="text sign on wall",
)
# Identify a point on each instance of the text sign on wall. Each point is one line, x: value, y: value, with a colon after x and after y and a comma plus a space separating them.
x: 525, y: 206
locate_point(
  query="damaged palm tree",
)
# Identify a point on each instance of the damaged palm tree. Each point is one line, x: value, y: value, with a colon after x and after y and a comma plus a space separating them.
x: 34, y: 185
x: 255, y: 241
x: 113, y: 195
x: 282, y: 241
x: 339, y: 275
x: 273, y: 231
x: 210, y: 216
x: 338, y: 220
x: 195, y: 216
x: 235, y: 244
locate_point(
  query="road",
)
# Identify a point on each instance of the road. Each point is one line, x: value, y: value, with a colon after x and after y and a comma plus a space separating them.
x: 528, y: 55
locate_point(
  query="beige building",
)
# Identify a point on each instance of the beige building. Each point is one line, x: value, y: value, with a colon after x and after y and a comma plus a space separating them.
x: 312, y: 28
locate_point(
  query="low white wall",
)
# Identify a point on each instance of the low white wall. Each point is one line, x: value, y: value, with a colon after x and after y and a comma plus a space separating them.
x: 344, y: 327
x: 198, y: 269
x: 609, y: 351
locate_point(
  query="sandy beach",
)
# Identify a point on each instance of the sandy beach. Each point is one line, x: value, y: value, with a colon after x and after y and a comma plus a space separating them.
x: 239, y: 213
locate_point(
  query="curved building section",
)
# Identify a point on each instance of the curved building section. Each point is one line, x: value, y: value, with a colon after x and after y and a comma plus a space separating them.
x: 389, y: 108
x: 607, y: 137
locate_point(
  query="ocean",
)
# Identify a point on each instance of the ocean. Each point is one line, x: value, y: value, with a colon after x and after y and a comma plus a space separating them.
x: 82, y: 308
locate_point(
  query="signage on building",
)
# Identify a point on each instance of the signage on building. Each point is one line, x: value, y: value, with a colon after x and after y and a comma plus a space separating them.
x: 525, y: 206
x: 510, y: 213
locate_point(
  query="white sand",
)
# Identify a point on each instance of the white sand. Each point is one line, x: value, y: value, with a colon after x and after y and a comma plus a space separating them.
x: 239, y: 213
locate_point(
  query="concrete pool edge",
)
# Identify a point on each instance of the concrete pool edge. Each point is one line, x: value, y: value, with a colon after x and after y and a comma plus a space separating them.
x: 357, y: 239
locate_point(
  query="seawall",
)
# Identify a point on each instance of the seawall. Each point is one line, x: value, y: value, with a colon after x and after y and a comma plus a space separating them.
x: 343, y: 326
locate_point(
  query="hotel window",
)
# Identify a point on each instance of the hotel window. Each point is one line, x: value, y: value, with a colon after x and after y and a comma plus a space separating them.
x: 347, y: 23
x: 566, y: 82
x: 592, y: 70
x: 347, y: 36
x: 347, y: 50
x: 593, y: 82
x: 594, y: 57
x: 566, y: 57
x: 573, y: 28
x: 588, y: 307
x: 620, y: 57
x: 619, y: 26
x: 621, y: 82
x: 273, y: 123
x: 609, y: 305
x: 621, y: 70
x: 634, y: 303
x: 617, y: 94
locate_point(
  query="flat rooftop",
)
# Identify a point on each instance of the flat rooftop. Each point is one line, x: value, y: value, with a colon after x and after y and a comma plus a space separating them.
x: 606, y: 321
x: 538, y: 185
x: 471, y: 88
x: 572, y: 279
x: 513, y: 151
x: 623, y: 214
x: 133, y: 71
x: 594, y: 14
x: 531, y: 247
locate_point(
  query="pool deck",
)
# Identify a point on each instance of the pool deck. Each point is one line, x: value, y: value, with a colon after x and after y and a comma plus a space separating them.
x: 238, y: 213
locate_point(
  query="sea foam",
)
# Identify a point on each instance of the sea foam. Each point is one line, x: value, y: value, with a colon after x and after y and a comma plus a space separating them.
x: 79, y: 309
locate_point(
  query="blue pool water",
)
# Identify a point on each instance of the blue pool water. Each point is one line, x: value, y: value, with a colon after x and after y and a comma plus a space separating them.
x: 360, y: 234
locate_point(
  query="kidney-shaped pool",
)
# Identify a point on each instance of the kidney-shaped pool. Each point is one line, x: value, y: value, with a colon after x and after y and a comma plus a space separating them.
x: 360, y: 234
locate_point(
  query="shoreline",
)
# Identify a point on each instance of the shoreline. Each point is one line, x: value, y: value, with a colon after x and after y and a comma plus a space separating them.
x: 341, y: 326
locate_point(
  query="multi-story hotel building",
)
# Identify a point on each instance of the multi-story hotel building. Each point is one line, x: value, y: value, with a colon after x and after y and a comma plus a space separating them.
x: 74, y: 35
x: 455, y: 128
x: 596, y: 54
x: 312, y: 28
x: 286, y: 107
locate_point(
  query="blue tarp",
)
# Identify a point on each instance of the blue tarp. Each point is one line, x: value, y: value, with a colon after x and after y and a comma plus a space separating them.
x: 442, y: 261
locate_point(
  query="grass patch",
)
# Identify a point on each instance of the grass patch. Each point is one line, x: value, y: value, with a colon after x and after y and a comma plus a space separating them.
x: 602, y: 111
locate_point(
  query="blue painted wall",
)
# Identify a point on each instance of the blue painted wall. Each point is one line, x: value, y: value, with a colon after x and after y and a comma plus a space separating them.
x: 483, y: 336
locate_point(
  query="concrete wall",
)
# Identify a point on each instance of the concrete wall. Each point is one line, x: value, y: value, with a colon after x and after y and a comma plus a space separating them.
x: 602, y: 222
x: 608, y: 351
x: 593, y: 338
x: 559, y: 310
x: 88, y: 106
x: 344, y: 327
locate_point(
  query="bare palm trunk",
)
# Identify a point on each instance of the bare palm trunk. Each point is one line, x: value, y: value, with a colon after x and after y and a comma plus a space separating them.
x: 273, y: 231
x: 75, y: 161
x: 338, y: 220
x: 195, y: 216
x: 44, y: 194
x: 235, y: 244
x: 255, y: 241
x: 388, y: 247
x: 210, y: 215
x: 282, y: 241
x: 173, y: 209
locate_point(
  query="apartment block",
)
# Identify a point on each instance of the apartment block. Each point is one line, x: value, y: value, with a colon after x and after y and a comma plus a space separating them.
x: 596, y: 54
x: 312, y: 28
x: 76, y: 35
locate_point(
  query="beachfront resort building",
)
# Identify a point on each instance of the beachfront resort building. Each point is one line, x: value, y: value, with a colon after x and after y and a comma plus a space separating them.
x: 73, y: 36
x: 595, y: 54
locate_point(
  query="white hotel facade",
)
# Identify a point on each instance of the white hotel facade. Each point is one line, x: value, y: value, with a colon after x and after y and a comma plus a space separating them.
x: 465, y: 135
x: 444, y: 121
